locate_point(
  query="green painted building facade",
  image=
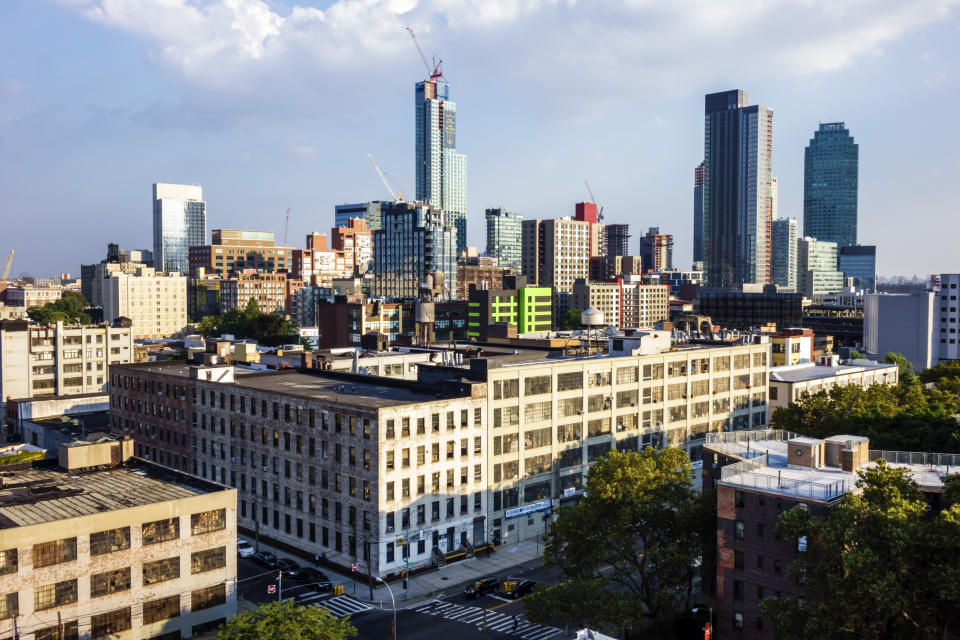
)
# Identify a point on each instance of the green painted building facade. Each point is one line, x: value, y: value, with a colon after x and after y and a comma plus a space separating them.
x: 530, y: 309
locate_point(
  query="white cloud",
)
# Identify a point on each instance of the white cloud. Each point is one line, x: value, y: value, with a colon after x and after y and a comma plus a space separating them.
x: 585, y: 53
x: 303, y: 150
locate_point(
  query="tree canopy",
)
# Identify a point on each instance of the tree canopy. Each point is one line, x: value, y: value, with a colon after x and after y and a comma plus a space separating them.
x: 907, y: 376
x: 69, y: 308
x: 878, y: 566
x: 269, y: 329
x: 907, y: 417
x: 286, y: 621
x: 628, y: 551
x: 570, y: 320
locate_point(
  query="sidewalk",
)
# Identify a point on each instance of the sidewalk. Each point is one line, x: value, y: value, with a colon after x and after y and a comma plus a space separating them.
x: 431, y: 584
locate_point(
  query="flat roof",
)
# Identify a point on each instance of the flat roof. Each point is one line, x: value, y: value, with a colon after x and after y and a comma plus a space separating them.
x: 811, y: 371
x: 39, y: 495
x: 378, y: 392
x: 92, y: 421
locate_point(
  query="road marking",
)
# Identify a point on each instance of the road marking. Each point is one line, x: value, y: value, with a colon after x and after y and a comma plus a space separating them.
x: 494, y: 620
x: 340, y: 606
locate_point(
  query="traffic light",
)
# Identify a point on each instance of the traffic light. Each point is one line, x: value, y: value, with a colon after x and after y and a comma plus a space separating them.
x: 338, y: 589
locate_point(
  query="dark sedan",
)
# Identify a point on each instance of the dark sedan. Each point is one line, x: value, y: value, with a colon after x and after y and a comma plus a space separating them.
x: 310, y: 577
x: 481, y: 587
x: 514, y: 588
x: 265, y: 559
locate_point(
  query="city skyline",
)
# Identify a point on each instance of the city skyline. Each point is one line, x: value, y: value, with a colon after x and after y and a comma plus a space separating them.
x: 135, y: 100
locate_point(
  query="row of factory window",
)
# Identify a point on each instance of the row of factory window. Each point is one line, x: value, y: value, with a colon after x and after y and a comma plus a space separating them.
x: 54, y: 552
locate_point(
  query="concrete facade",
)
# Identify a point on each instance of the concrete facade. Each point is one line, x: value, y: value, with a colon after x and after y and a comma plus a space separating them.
x: 789, y: 383
x: 902, y: 323
x: 156, y: 559
x: 156, y: 303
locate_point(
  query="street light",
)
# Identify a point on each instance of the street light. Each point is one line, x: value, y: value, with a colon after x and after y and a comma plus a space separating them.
x: 393, y: 602
x: 710, y: 611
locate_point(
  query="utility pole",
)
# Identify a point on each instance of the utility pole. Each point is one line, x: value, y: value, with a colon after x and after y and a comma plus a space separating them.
x: 279, y: 585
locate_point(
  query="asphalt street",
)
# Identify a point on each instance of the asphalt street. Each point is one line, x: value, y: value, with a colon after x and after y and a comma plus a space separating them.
x: 449, y: 615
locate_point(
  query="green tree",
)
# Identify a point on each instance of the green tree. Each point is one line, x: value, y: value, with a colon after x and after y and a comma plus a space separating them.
x: 69, y: 308
x: 907, y: 376
x: 286, y: 621
x: 628, y: 550
x: 857, y: 355
x: 570, y: 320
x: 941, y: 370
x: 877, y: 566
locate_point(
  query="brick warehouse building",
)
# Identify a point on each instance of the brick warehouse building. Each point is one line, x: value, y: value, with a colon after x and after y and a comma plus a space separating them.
x: 344, y: 465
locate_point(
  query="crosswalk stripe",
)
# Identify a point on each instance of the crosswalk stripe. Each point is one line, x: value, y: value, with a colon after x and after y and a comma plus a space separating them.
x: 493, y: 620
x: 548, y: 632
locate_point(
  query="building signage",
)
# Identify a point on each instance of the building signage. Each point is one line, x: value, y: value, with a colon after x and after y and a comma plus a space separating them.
x: 696, y: 464
x: 516, y: 512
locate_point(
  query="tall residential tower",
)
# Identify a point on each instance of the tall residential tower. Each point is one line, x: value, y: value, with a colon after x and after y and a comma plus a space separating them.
x: 737, y: 194
x: 830, y: 176
x: 698, y: 213
x: 504, y: 237
x: 179, y: 222
x: 441, y: 172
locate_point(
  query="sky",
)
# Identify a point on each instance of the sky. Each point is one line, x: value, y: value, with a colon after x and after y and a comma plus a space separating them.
x: 273, y: 104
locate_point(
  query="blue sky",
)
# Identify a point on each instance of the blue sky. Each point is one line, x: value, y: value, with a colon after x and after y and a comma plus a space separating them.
x: 272, y: 104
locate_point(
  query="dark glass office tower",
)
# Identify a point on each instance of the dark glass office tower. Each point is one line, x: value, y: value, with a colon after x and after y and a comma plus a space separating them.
x: 698, y: 213
x: 830, y: 170
x: 737, y: 194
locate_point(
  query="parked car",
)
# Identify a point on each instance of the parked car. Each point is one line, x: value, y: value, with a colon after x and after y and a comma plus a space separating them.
x: 515, y: 587
x: 481, y: 587
x: 287, y: 565
x: 308, y: 575
x: 265, y: 558
x: 244, y: 548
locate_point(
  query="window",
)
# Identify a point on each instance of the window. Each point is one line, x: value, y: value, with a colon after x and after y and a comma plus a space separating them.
x: 161, y: 570
x: 8, y: 561
x: 161, y: 531
x: 739, y: 498
x: 54, y: 595
x: 569, y: 381
x: 103, y: 584
x: 208, y: 560
x: 55, y: 552
x: 738, y: 560
x: 66, y: 631
x: 738, y: 530
x: 162, y: 609
x: 737, y: 620
x: 109, y: 623
x: 537, y: 411
x: 209, y: 597
x: 208, y: 521
x: 9, y: 606
x: 627, y: 374
x: 536, y: 385
x: 738, y: 589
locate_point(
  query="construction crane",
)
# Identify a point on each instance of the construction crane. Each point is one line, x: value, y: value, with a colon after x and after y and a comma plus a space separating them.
x: 436, y: 73
x: 398, y: 196
x: 6, y: 269
x: 286, y: 225
x: 594, y: 201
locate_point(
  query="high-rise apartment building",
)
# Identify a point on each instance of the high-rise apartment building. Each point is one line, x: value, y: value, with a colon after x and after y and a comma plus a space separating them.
x: 179, y: 222
x: 946, y: 341
x: 905, y: 323
x: 698, y: 213
x: 441, y: 172
x: 783, y: 255
x: 233, y: 250
x: 656, y: 250
x: 830, y: 178
x: 268, y: 289
x: 59, y: 359
x: 557, y: 252
x: 414, y: 241
x: 355, y: 240
x: 860, y: 263
x: 504, y: 232
x: 481, y: 271
x: 626, y: 303
x: 737, y: 198
x: 155, y: 303
x: 618, y: 239
x: 369, y: 211
x: 817, y: 272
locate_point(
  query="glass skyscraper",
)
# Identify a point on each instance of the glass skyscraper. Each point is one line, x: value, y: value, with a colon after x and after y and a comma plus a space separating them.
x: 698, y: 213
x: 179, y: 222
x: 830, y: 176
x: 860, y: 263
x: 783, y: 263
x: 369, y: 211
x: 737, y: 193
x: 504, y: 232
x: 441, y: 172
x: 413, y: 242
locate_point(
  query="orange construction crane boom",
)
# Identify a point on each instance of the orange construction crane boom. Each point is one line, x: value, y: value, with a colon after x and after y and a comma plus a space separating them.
x: 6, y: 269
x: 437, y: 71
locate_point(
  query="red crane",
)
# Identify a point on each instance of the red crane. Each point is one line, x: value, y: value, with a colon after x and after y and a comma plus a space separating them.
x: 436, y: 73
